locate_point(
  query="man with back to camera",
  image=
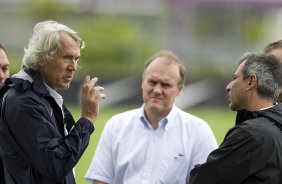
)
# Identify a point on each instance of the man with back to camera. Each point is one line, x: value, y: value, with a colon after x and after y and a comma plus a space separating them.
x: 251, y: 150
x: 4, y: 74
x: 39, y: 139
x: 157, y: 143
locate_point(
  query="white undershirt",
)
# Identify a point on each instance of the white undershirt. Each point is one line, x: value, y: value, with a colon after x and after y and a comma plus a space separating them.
x: 269, y: 106
x: 59, y: 100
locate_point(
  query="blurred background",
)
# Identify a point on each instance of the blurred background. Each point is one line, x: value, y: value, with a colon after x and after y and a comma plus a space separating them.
x: 210, y: 36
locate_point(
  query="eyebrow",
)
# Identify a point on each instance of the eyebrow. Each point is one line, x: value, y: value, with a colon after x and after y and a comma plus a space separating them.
x: 8, y: 64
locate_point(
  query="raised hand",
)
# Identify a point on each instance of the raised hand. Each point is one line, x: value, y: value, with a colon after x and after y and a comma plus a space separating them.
x: 91, y: 96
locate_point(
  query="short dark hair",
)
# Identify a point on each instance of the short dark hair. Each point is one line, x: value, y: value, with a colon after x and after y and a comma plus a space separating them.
x: 268, y: 70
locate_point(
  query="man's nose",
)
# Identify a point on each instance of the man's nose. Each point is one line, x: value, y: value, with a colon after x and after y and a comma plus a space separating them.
x: 228, y: 87
x: 157, y: 88
x: 73, y: 65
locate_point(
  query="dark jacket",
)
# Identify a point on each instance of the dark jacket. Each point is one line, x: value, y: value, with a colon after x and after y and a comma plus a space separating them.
x: 2, y: 177
x: 32, y: 140
x: 251, y: 152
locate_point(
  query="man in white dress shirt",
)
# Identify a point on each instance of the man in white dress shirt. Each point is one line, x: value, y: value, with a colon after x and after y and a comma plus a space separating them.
x: 157, y: 143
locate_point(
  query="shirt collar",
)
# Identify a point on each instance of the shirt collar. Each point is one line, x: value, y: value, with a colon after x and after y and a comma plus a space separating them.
x: 58, y: 98
x: 164, y: 123
x: 269, y: 106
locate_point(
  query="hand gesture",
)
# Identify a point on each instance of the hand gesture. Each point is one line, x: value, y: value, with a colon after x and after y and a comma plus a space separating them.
x: 91, y: 96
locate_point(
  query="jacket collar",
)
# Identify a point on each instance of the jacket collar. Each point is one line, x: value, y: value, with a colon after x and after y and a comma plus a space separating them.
x: 274, y: 113
x: 30, y: 78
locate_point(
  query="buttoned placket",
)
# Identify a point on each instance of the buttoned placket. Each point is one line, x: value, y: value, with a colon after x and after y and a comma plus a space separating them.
x: 155, y: 147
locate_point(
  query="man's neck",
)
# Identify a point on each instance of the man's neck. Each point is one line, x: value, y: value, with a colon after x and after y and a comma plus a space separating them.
x: 154, y: 118
x: 259, y: 105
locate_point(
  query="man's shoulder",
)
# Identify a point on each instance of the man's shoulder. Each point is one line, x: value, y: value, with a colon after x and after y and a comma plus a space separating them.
x: 19, y: 94
x: 258, y: 125
x: 17, y: 84
x: 257, y: 129
x: 16, y: 92
x: 123, y: 120
x: 191, y: 118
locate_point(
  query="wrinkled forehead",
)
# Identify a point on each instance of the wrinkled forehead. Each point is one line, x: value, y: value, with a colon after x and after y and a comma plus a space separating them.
x: 162, y: 70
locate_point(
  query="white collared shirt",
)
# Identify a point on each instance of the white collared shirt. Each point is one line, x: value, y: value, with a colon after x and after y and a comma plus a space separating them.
x: 131, y: 151
x: 269, y: 106
x: 59, y: 100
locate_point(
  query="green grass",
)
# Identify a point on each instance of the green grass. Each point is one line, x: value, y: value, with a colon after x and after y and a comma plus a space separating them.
x: 220, y: 120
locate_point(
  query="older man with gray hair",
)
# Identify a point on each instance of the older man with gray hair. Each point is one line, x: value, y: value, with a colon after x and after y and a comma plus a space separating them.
x: 39, y: 139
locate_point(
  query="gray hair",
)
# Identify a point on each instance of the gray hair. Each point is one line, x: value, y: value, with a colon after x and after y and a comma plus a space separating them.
x: 44, y: 42
x: 172, y: 58
x: 268, y: 71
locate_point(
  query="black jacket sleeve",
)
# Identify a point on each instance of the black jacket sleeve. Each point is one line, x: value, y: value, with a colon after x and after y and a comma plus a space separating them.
x: 233, y: 161
x: 34, y: 133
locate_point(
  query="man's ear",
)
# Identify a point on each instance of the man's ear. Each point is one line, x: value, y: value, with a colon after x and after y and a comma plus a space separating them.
x: 180, y: 89
x: 252, y: 81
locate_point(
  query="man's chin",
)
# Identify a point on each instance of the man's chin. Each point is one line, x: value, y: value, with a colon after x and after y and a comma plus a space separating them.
x: 64, y: 87
x: 231, y: 107
x: 154, y: 107
x: 153, y: 104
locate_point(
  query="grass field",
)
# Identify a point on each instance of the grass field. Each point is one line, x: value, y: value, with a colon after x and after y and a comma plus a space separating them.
x: 219, y: 118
